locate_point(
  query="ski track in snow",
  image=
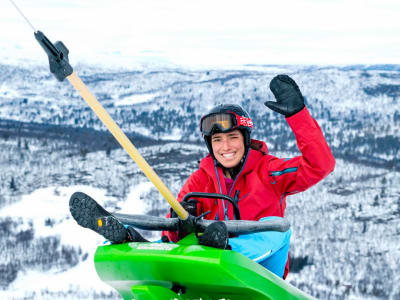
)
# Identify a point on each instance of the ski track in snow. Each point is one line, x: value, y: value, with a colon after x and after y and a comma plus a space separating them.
x: 135, y: 99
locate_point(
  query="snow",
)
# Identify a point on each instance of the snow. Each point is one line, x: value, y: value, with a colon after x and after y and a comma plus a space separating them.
x: 135, y: 99
x: 53, y: 202
x: 82, y: 278
x: 135, y: 203
x: 8, y: 93
x: 50, y: 202
x: 175, y: 135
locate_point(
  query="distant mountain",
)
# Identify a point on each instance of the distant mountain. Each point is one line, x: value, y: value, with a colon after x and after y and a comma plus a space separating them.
x: 357, y: 106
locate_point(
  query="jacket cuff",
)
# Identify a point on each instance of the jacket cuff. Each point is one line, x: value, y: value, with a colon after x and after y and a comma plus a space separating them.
x: 302, y: 120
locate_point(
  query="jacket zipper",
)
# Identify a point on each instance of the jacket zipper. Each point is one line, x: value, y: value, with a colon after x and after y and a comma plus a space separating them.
x: 233, y: 185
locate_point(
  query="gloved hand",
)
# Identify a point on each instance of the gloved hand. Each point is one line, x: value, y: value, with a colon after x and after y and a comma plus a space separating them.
x: 190, y: 206
x: 289, y: 99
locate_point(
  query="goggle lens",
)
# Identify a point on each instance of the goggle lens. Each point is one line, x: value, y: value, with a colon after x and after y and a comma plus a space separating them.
x: 222, y: 121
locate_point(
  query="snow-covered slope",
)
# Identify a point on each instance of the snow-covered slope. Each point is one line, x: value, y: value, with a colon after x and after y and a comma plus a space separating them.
x: 346, y: 230
x: 357, y: 107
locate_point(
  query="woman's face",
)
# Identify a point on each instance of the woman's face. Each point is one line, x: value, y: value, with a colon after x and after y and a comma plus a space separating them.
x: 228, y: 148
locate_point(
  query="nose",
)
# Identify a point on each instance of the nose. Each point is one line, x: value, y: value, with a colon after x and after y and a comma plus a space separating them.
x: 225, y: 144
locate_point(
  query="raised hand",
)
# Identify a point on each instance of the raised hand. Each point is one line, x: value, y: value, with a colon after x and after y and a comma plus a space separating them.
x: 289, y: 99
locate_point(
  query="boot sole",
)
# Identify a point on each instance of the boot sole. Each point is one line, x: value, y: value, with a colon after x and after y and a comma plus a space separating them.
x: 89, y: 214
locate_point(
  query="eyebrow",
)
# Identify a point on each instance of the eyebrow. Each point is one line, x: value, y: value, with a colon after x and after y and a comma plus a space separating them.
x: 233, y: 133
x: 216, y: 136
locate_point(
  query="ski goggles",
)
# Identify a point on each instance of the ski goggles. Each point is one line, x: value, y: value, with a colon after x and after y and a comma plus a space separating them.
x: 224, y: 122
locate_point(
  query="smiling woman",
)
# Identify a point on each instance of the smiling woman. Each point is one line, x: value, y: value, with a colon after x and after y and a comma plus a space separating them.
x: 241, y: 168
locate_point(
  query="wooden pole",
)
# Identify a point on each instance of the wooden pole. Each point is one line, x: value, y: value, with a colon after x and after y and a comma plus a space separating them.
x: 126, y: 144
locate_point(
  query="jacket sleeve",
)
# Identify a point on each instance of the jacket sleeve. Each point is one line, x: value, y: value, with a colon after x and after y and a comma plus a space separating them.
x: 192, y: 184
x: 289, y: 176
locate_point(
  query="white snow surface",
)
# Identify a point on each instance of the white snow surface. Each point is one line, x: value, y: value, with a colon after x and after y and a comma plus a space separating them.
x: 136, y: 205
x: 54, y: 202
x: 135, y: 99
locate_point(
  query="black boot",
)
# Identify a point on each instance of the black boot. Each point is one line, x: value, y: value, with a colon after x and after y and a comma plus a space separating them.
x: 215, y: 235
x: 89, y: 214
x: 134, y: 236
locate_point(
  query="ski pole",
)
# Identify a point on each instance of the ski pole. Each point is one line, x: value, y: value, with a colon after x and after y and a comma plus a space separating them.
x: 60, y: 67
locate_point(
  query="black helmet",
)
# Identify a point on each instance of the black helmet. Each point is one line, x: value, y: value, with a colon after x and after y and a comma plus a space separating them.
x: 225, y: 118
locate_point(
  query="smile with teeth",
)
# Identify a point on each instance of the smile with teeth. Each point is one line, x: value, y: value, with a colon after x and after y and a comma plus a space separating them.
x: 228, y: 155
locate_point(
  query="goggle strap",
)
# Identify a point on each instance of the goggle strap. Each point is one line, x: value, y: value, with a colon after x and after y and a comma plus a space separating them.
x: 243, y: 121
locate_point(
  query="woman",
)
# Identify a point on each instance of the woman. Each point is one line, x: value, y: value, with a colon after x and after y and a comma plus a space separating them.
x: 242, y: 168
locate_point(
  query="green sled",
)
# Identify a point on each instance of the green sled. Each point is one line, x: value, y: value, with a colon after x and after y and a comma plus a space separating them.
x: 186, y: 270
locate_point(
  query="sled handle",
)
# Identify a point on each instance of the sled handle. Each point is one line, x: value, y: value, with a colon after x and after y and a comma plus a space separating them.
x: 234, y: 226
x: 236, y: 210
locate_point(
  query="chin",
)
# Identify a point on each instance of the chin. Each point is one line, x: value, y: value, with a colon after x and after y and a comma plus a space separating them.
x: 230, y: 164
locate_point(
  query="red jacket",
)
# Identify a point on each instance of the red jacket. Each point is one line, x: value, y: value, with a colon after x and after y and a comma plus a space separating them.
x: 265, y: 180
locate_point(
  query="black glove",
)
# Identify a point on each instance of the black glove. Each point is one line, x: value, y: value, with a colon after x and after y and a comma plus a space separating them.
x: 188, y: 225
x: 289, y: 99
x: 190, y: 206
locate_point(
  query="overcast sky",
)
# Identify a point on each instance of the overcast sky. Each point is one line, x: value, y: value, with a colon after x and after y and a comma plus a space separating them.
x: 217, y: 32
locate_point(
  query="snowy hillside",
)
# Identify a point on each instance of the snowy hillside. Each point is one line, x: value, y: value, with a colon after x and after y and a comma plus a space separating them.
x: 357, y: 107
x: 346, y: 232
